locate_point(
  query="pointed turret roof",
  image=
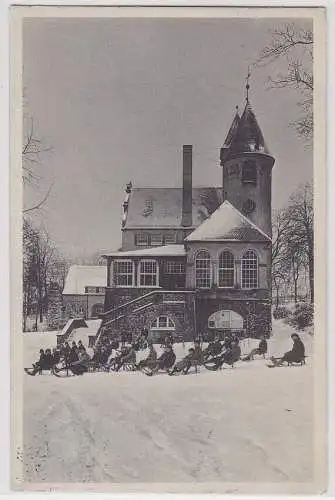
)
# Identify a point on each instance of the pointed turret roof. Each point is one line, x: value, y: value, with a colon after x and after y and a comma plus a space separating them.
x: 248, y: 137
x: 245, y: 136
x: 231, y: 133
x: 227, y: 224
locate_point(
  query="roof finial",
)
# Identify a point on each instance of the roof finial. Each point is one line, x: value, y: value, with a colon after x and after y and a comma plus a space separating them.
x: 247, y: 85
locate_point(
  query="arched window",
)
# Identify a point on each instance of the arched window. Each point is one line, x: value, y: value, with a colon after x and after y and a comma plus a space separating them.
x: 226, y: 270
x: 249, y: 172
x: 203, y: 270
x: 250, y: 270
x: 163, y: 323
x: 225, y: 319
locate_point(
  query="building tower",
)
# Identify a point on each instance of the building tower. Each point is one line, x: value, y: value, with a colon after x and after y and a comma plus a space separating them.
x: 247, y: 165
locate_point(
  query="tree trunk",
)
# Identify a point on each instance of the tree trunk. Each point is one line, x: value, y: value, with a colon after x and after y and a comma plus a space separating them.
x: 311, y: 273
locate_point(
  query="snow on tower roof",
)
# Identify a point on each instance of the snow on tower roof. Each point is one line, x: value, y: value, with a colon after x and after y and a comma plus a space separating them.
x: 80, y: 276
x: 248, y: 137
x: 227, y: 224
x: 163, y: 251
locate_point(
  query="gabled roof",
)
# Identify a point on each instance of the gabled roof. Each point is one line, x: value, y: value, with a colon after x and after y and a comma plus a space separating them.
x: 80, y: 276
x: 162, y: 251
x: 227, y: 224
x: 245, y: 135
x: 162, y: 207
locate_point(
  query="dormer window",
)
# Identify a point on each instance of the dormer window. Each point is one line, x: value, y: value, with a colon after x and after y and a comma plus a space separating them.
x: 142, y: 239
x: 249, y: 172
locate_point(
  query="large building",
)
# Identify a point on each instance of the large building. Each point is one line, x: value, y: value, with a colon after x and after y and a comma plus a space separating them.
x: 197, y: 260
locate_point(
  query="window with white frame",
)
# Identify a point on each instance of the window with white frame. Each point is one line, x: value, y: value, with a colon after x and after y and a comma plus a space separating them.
x: 163, y: 323
x: 174, y: 267
x: 170, y: 239
x: 203, y: 270
x: 124, y: 273
x: 142, y: 239
x: 226, y: 270
x: 156, y: 240
x: 148, y: 273
x: 249, y: 270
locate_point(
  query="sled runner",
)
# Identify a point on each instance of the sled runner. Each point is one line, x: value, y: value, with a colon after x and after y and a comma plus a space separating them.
x: 276, y: 364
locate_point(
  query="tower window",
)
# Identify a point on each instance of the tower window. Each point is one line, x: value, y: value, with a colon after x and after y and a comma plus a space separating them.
x: 249, y: 172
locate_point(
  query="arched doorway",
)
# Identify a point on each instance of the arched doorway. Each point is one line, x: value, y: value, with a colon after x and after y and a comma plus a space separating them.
x: 226, y: 321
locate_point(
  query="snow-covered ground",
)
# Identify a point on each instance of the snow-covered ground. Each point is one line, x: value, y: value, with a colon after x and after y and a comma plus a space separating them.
x: 244, y: 424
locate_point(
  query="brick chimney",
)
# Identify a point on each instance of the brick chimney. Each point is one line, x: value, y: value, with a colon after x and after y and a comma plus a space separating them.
x: 186, y: 219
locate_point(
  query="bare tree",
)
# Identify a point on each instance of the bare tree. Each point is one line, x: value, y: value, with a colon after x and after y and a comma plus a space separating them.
x: 32, y: 150
x: 292, y: 246
x: 299, y: 231
x: 295, y: 45
x: 43, y: 266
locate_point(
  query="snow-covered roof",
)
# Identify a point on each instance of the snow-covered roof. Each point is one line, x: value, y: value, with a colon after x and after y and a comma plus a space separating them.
x: 80, y: 276
x: 162, y: 207
x: 227, y: 224
x: 244, y: 136
x: 162, y: 251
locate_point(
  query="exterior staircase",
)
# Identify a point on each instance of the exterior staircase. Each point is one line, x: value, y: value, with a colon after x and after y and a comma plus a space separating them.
x: 112, y: 318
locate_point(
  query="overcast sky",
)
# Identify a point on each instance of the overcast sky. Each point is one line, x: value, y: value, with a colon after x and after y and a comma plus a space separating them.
x: 116, y: 99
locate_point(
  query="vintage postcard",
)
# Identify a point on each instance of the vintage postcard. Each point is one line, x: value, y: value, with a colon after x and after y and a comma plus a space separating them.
x: 168, y: 249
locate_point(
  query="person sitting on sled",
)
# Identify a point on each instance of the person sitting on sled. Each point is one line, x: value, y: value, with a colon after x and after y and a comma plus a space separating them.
x: 81, y: 365
x: 184, y: 364
x: 150, y: 360
x: 165, y: 361
x: 45, y: 362
x: 295, y: 355
x: 213, y: 349
x: 229, y: 357
x: 127, y: 357
x: 260, y: 350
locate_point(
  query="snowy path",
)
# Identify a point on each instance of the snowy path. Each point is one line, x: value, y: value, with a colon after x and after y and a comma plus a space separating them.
x: 243, y: 424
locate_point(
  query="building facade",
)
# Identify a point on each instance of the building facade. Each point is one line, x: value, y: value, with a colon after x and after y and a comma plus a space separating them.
x: 195, y: 261
x: 84, y: 292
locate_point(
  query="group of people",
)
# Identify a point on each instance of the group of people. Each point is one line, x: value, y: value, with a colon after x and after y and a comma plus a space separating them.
x: 75, y: 358
x: 113, y: 356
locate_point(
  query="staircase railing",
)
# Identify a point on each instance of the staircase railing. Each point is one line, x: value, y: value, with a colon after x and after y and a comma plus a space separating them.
x: 109, y: 317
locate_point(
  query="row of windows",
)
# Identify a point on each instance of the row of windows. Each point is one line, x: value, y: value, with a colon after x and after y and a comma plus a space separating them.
x: 226, y: 270
x: 124, y: 273
x: 148, y: 276
x: 94, y: 289
x: 153, y: 240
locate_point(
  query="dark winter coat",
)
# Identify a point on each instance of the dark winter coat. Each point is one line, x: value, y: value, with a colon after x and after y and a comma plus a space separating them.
x: 263, y: 347
x: 297, y: 353
x: 48, y: 361
x: 232, y: 355
x: 167, y: 359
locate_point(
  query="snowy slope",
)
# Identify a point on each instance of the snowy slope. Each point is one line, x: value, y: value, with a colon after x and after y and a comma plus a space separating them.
x: 249, y: 423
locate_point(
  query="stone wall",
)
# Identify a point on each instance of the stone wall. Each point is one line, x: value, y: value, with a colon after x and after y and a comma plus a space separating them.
x: 179, y: 309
